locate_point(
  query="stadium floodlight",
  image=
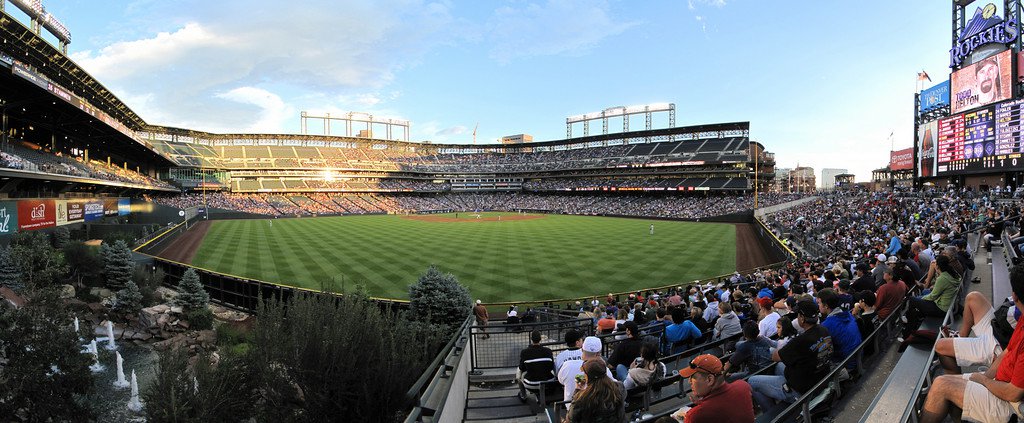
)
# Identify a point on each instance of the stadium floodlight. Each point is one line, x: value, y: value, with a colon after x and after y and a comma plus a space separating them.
x: 625, y: 112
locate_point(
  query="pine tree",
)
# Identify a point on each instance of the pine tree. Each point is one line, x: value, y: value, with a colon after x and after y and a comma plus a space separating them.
x: 128, y: 301
x: 191, y: 295
x: 10, y: 273
x: 61, y: 237
x: 118, y: 265
x: 439, y: 298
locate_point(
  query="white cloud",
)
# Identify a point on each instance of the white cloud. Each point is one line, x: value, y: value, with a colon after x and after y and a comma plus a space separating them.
x: 273, y: 110
x: 555, y: 27
x: 454, y: 130
x: 205, y: 73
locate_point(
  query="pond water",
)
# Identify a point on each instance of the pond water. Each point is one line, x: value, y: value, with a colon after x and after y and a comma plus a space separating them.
x: 109, y: 403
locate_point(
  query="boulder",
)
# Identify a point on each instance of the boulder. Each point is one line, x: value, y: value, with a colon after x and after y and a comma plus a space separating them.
x: 148, y: 317
x: 96, y: 308
x: 161, y: 308
x: 206, y: 337
x: 166, y: 294
x: 67, y: 291
x: 162, y: 320
x: 176, y: 310
x: 103, y: 293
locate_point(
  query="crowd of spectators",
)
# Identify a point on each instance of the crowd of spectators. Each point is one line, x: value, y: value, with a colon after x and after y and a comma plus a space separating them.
x: 873, y: 251
x: 680, y: 206
x: 512, y: 161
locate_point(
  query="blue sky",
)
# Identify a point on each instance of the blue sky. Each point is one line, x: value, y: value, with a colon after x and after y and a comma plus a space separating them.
x: 822, y: 83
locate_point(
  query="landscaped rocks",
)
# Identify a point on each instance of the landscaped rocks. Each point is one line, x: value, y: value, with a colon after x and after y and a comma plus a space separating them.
x: 67, y: 291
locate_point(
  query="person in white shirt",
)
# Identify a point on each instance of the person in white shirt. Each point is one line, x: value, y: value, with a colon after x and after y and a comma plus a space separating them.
x: 570, y: 368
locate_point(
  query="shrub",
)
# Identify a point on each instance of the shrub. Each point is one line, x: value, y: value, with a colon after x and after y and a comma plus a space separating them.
x: 128, y: 301
x: 439, y: 298
x: 200, y: 393
x: 10, y: 274
x: 199, y: 319
x: 191, y: 295
x: 118, y: 264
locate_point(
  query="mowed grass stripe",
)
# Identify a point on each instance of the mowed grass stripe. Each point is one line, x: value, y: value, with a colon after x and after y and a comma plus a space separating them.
x: 551, y: 257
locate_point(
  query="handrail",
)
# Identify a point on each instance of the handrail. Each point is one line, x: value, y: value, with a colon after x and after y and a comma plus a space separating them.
x: 801, y: 404
x: 419, y: 391
x: 946, y: 320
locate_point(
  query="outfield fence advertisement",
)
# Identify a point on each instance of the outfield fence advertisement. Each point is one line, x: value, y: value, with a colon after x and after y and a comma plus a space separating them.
x: 8, y: 217
x: 36, y: 214
x: 124, y: 206
x: 93, y: 211
x: 110, y: 207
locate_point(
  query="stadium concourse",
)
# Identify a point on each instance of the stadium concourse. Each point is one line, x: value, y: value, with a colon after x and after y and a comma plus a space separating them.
x: 849, y: 307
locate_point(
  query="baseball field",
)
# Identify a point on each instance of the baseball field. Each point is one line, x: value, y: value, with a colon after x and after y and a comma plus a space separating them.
x: 499, y: 256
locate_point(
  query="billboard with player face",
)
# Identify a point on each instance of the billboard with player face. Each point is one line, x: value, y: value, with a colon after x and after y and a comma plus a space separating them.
x: 982, y: 83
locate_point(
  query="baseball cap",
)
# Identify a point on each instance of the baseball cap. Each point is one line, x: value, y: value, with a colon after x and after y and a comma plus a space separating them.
x: 807, y: 308
x: 892, y: 259
x: 880, y: 257
x: 478, y: 301
x: 765, y: 302
x: 592, y: 344
x: 631, y: 326
x: 706, y: 363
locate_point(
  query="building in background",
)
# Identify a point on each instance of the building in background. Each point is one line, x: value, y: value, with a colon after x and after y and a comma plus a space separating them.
x: 802, y: 179
x: 828, y: 177
x: 517, y: 139
x: 781, y: 179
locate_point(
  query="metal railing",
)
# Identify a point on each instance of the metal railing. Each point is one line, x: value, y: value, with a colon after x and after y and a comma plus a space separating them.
x: 436, y: 377
x: 504, y: 341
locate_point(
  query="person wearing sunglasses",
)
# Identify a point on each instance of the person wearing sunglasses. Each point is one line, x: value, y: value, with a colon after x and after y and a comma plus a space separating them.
x: 714, y: 398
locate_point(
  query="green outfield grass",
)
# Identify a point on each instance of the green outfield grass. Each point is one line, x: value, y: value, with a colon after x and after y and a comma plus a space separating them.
x: 550, y: 257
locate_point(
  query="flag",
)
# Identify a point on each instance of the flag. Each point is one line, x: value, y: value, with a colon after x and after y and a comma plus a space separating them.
x: 922, y: 76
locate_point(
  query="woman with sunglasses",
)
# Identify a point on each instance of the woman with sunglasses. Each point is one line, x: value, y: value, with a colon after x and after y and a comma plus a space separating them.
x: 598, y: 397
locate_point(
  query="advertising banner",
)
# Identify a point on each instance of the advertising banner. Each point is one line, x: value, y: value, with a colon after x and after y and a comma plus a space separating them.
x: 926, y: 134
x: 36, y: 214
x: 62, y: 211
x: 8, y: 217
x: 93, y: 211
x: 76, y: 211
x: 935, y: 97
x: 901, y: 159
x: 982, y: 83
x: 124, y: 206
x: 110, y: 207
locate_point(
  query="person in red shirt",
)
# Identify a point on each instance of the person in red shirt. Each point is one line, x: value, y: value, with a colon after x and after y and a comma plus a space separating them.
x: 992, y: 396
x: 890, y: 294
x: 714, y: 399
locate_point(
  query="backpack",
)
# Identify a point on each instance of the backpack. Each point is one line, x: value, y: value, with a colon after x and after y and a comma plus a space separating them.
x: 1001, y: 328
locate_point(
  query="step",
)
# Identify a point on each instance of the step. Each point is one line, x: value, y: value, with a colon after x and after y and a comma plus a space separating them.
x: 477, y: 393
x: 499, y: 413
x: 494, y: 402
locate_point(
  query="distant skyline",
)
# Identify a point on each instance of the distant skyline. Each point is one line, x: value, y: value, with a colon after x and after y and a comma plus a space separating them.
x: 822, y: 84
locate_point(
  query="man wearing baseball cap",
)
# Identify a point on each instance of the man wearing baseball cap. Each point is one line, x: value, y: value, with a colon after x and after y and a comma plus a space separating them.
x: 567, y: 373
x: 714, y: 399
x: 805, y: 360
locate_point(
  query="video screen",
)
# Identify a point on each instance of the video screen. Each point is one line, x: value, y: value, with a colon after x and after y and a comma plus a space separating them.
x: 982, y: 83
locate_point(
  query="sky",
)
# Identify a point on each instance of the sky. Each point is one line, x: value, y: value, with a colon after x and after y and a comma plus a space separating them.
x: 823, y: 84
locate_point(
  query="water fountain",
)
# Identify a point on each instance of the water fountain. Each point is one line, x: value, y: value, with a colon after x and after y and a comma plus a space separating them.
x: 134, y: 404
x: 121, y: 382
x: 76, y: 324
x: 96, y: 367
x: 110, y: 336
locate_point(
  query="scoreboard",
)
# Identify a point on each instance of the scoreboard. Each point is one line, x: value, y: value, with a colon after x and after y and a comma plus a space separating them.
x: 983, y: 140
